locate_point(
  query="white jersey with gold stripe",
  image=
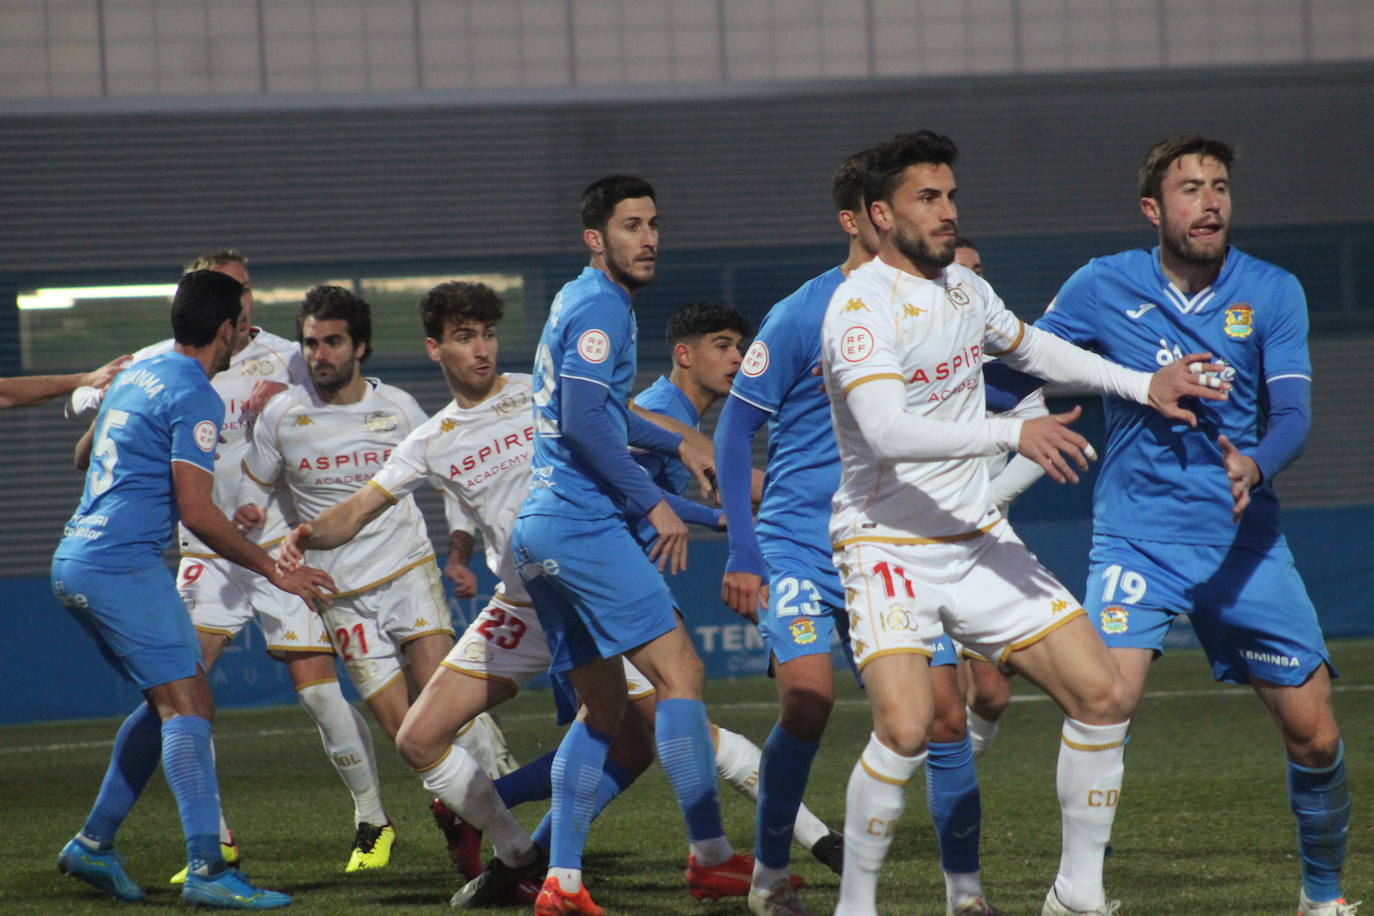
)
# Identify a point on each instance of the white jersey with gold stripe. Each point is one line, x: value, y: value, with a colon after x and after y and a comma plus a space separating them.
x: 325, y: 452
x: 931, y: 336
x: 267, y: 358
x: 480, y: 457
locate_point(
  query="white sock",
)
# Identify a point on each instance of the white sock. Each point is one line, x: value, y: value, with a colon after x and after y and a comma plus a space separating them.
x: 460, y: 783
x: 980, y: 731
x: 1091, y: 762
x: 873, y: 804
x: 737, y: 762
x: 348, y: 743
x: 711, y: 852
x: 479, y: 739
x: 569, y: 879
x: 959, y: 886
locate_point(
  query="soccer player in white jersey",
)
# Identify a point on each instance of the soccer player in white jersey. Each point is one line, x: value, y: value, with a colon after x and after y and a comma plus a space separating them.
x: 916, y: 539
x: 325, y: 441
x: 223, y: 597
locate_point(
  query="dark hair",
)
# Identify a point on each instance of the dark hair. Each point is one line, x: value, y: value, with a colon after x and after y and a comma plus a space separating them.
x: 331, y: 303
x: 458, y: 301
x: 847, y: 186
x: 601, y: 196
x: 893, y: 158
x: 963, y: 241
x: 204, y: 300
x: 214, y: 260
x: 1163, y: 154
x: 697, y: 319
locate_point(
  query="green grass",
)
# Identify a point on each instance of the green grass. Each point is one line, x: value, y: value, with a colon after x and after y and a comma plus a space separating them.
x: 1203, y: 827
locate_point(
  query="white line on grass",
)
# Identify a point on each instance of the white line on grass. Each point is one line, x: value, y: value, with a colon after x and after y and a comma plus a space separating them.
x: 1019, y: 698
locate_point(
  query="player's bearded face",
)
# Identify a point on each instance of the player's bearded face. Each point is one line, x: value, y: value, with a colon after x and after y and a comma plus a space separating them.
x: 1195, y: 210
x: 631, y: 243
x: 925, y: 222
x: 330, y: 353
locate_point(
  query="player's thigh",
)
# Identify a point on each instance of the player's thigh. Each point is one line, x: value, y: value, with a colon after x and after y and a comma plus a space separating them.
x: 671, y: 664
x: 389, y: 706
x: 136, y: 617
x: 373, y: 661
x: 989, y: 688
x: 423, y: 655
x: 1073, y: 666
x: 1255, y: 619
x: 307, y: 669
x: 414, y: 613
x: 288, y: 624
x: 600, y: 686
x: 449, y: 701
x: 899, y: 694
x: 805, y: 603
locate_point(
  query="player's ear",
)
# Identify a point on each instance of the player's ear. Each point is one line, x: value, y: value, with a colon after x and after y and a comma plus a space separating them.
x: 594, y: 241
x: 848, y: 222
x: 682, y: 355
x: 1150, y: 207
x: 880, y: 213
x: 432, y: 348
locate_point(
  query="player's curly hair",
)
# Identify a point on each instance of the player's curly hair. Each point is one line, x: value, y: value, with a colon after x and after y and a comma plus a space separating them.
x: 458, y: 301
x: 204, y: 300
x: 891, y: 159
x: 697, y: 319
x: 601, y: 196
x: 330, y: 303
x: 847, y: 185
x: 1163, y: 153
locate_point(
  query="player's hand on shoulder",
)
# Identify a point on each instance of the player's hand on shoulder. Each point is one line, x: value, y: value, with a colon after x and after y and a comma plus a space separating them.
x: 670, y: 549
x: 744, y: 593
x: 248, y: 517
x: 1193, y: 376
x: 262, y: 392
x: 1050, y: 443
x: 101, y: 378
x: 1243, y: 474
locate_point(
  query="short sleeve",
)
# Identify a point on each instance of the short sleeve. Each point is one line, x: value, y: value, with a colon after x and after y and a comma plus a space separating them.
x: 195, y: 420
x: 406, y: 469
x: 1069, y: 315
x: 859, y: 347
x: 1284, y: 340
x: 779, y: 355
x: 596, y: 334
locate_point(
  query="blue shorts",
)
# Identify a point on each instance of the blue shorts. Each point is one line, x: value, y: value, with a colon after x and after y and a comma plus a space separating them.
x: 135, y: 616
x: 805, y: 607
x: 1248, y: 606
x: 596, y: 593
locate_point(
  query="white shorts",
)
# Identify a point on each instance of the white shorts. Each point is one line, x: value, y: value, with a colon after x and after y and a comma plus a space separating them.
x: 989, y: 593
x: 369, y: 628
x: 222, y: 598
x: 506, y: 643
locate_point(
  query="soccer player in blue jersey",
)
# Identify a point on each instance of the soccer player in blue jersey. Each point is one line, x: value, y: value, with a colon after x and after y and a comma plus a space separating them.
x: 1186, y: 520
x: 596, y: 593
x: 781, y: 574
x: 154, y: 460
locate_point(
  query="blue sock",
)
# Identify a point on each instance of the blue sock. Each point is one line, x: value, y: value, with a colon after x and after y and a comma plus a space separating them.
x: 576, y: 778
x: 1321, y: 802
x: 532, y: 782
x: 614, y: 780
x: 189, y: 764
x: 683, y: 736
x: 137, y: 749
x: 783, y: 773
x: 955, y: 805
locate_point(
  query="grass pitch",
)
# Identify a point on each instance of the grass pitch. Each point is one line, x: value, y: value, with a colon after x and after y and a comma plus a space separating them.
x: 1203, y: 828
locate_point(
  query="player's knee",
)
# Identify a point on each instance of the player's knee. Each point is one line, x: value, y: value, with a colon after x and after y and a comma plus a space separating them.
x: 950, y: 723
x: 804, y: 712
x: 1315, y: 747
x: 905, y: 737
x: 417, y: 746
x: 633, y: 747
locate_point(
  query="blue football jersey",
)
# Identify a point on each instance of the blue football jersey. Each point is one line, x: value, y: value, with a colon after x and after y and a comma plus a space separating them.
x: 1162, y: 480
x: 803, y: 464
x: 590, y: 334
x: 157, y: 411
x: 663, y: 397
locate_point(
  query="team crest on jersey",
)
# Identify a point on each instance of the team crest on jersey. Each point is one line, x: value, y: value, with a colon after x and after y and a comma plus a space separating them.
x: 206, y: 435
x: 1115, y: 619
x: 257, y: 367
x: 856, y: 305
x: 511, y: 403
x: 755, y: 360
x: 303, y: 420
x: 803, y: 631
x: 1240, y: 321
x: 594, y: 346
x: 379, y: 421
x: 856, y: 344
x: 957, y: 296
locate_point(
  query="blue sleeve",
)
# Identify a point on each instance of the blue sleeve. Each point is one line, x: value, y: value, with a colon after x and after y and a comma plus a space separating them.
x: 1290, y: 420
x: 195, y: 421
x: 1070, y: 314
x: 739, y: 421
x: 1284, y: 344
x: 594, y: 333
x: 692, y: 512
x: 644, y: 434
x: 588, y: 428
x: 1006, y: 387
x: 775, y: 360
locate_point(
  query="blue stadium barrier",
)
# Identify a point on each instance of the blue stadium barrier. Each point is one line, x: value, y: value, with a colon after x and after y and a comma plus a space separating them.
x: 55, y: 672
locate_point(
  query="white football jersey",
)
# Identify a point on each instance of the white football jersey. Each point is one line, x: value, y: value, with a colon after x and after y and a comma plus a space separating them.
x: 268, y: 358
x: 480, y: 458
x: 884, y: 323
x: 325, y: 452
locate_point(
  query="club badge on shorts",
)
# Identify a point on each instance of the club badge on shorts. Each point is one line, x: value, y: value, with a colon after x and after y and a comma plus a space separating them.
x: 1115, y: 619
